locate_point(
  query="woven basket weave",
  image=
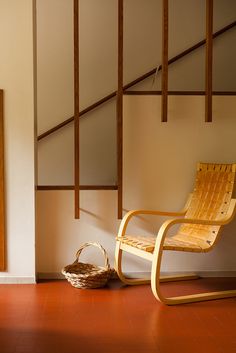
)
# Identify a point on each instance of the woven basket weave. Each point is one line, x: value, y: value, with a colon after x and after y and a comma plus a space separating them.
x: 83, y: 275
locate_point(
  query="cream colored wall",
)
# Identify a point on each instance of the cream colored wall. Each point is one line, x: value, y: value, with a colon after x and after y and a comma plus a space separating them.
x: 16, y: 79
x: 98, y: 72
x: 157, y: 154
x: 159, y: 168
x: 160, y: 161
x: 54, y: 62
x: 97, y: 153
x: 150, y: 178
x: 98, y: 56
x: 60, y: 235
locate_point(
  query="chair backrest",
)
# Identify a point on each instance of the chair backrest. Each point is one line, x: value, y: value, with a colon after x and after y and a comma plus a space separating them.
x: 211, y: 199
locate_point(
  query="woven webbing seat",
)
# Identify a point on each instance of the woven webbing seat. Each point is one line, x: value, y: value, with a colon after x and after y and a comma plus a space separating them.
x: 208, y: 208
x: 173, y: 243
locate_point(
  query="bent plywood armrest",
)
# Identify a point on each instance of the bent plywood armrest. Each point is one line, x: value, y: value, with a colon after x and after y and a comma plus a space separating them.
x: 126, y: 219
x: 208, y: 208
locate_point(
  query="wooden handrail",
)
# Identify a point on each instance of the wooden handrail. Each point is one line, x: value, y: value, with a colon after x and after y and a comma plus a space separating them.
x: 136, y: 81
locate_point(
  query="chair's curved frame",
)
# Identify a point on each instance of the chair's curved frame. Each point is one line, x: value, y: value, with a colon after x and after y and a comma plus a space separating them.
x: 156, y: 256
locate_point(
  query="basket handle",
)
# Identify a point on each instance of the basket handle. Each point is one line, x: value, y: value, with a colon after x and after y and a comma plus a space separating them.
x: 107, y: 265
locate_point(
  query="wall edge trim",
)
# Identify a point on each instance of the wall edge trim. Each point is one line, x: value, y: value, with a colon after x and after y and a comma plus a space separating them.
x: 17, y: 280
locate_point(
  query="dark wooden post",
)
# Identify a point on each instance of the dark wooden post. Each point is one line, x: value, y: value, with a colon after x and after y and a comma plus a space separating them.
x: 164, y: 103
x: 120, y: 109
x: 76, y: 109
x: 2, y: 197
x: 209, y: 60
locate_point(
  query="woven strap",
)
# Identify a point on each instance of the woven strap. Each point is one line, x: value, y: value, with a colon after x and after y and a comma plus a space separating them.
x: 107, y: 265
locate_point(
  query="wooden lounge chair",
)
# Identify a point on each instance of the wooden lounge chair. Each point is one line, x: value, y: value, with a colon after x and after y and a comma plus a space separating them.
x: 208, y: 208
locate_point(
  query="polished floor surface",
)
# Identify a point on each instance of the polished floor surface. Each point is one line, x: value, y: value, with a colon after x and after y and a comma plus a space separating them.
x: 54, y: 317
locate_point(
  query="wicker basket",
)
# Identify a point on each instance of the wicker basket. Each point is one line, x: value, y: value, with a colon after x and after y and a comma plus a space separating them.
x: 82, y: 275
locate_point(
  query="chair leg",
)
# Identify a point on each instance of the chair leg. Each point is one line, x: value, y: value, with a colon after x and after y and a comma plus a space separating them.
x: 155, y: 285
x: 118, y: 268
x: 156, y: 279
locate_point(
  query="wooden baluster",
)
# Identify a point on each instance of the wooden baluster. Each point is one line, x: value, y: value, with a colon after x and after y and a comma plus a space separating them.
x: 164, y: 104
x: 2, y: 199
x: 209, y: 60
x: 120, y: 109
x: 76, y: 109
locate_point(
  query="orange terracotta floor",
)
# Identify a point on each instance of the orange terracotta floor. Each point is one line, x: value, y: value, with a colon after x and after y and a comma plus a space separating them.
x: 52, y: 316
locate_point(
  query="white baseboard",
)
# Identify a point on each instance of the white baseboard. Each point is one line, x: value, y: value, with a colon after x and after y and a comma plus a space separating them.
x: 58, y: 275
x: 17, y: 280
